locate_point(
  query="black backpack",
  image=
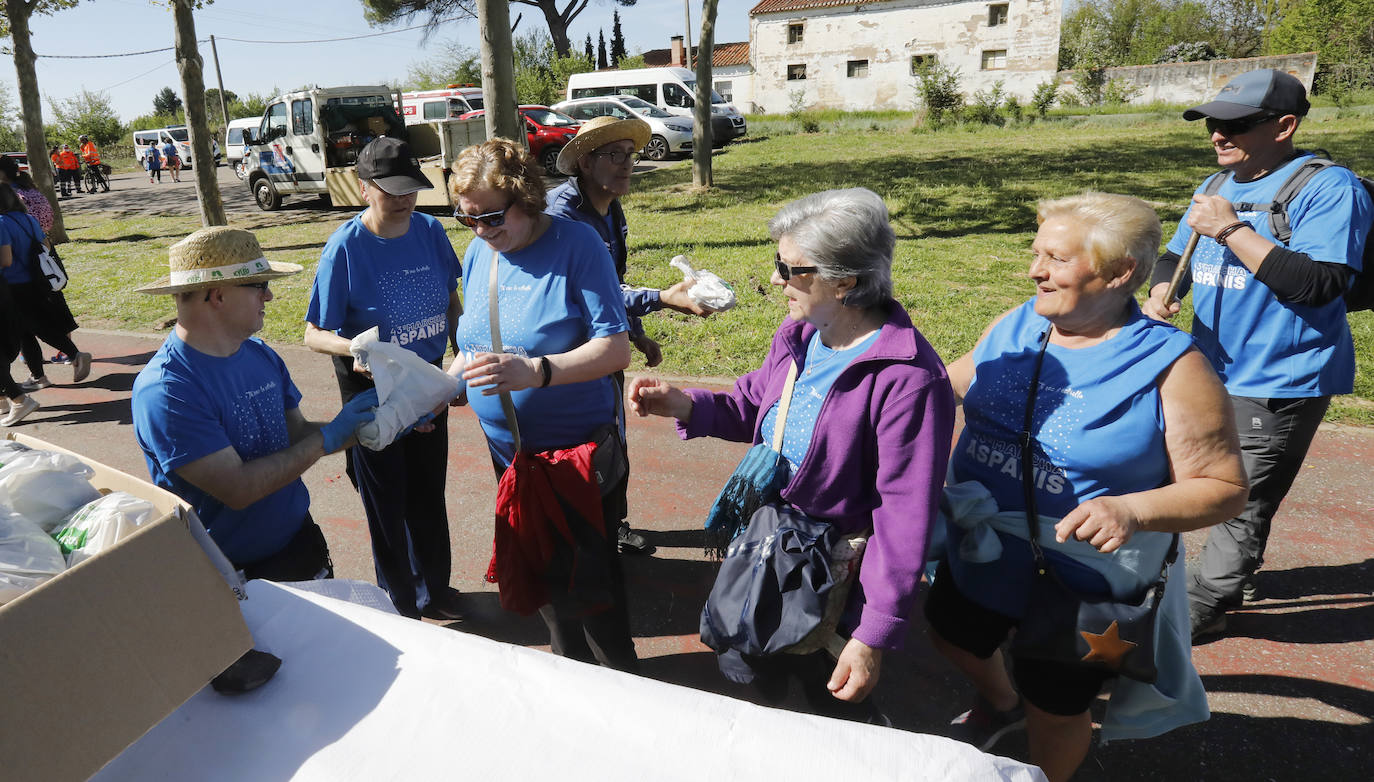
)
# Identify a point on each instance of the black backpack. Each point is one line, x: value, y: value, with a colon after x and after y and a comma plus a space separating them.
x: 1361, y: 293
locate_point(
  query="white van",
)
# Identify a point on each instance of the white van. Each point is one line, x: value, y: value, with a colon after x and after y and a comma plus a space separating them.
x: 670, y: 89
x: 234, y: 141
x: 179, y: 135
x: 446, y: 103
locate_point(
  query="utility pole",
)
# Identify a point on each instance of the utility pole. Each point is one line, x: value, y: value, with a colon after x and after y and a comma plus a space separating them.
x: 687, y: 25
x: 219, y: 78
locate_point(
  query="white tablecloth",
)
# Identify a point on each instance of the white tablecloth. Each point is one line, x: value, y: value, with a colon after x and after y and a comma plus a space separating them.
x: 366, y: 695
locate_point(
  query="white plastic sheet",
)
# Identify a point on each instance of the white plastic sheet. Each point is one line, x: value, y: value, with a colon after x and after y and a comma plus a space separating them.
x: 28, y: 556
x: 407, y: 387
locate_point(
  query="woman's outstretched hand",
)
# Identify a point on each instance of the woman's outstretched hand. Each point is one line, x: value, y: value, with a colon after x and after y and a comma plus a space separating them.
x: 647, y: 396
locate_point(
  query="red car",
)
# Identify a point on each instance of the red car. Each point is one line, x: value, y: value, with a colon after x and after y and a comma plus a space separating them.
x: 547, y: 131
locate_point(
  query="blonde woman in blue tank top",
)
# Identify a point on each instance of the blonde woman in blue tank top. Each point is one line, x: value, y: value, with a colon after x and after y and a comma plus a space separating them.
x: 1133, y: 441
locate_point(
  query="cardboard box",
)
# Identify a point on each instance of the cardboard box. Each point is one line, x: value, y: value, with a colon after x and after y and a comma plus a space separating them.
x: 94, y: 658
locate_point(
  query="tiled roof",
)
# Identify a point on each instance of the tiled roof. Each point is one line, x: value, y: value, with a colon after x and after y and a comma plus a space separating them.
x: 723, y: 55
x: 773, y: 6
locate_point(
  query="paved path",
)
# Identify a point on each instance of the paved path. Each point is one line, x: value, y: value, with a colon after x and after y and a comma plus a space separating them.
x: 1290, y: 687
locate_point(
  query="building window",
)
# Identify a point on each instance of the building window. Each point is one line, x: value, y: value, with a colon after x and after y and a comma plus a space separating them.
x: 920, y: 62
x: 794, y: 32
x: 857, y: 69
x: 994, y: 59
x: 726, y: 90
x: 997, y: 14
x: 796, y: 72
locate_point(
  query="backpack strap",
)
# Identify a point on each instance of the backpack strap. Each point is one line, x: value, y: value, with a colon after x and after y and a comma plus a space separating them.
x: 1214, y: 182
x: 1278, y: 215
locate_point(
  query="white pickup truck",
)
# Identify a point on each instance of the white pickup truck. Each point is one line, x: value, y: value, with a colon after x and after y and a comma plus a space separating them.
x: 308, y: 144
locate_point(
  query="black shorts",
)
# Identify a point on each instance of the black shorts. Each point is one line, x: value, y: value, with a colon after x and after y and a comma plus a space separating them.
x: 1058, y: 688
x: 304, y: 558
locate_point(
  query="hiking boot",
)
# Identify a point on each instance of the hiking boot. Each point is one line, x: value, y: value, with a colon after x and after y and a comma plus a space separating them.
x: 35, y: 383
x: 627, y: 541
x: 81, y: 367
x: 983, y: 726
x: 19, y: 410
x: 1205, y: 620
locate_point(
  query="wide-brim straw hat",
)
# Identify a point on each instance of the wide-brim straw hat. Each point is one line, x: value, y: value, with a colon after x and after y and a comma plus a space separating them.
x: 217, y: 256
x: 599, y: 132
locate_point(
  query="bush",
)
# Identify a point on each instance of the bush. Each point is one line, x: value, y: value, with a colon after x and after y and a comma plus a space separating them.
x: 1011, y: 107
x: 984, y: 109
x: 1090, y: 82
x: 1193, y: 51
x: 1045, y: 94
x: 1119, y: 91
x: 937, y: 87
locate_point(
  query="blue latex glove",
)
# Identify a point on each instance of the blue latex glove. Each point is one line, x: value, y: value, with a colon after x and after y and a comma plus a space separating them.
x: 424, y: 419
x: 359, y: 410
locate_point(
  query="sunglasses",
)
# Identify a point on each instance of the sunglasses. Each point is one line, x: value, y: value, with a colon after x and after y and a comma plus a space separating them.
x: 618, y: 157
x: 1237, y: 127
x: 786, y: 272
x: 490, y: 219
x: 261, y: 286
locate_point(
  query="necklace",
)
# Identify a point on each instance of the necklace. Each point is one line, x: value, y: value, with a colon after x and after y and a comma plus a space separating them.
x: 814, y: 360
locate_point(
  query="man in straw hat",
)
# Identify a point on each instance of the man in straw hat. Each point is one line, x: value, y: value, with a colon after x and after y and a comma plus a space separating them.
x: 1268, y: 313
x: 599, y: 162
x: 218, y: 417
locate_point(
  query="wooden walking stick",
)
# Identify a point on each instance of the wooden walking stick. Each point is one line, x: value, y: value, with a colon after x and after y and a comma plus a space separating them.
x: 1171, y: 295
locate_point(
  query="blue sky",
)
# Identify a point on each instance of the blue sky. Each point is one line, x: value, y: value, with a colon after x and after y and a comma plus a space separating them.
x: 120, y: 26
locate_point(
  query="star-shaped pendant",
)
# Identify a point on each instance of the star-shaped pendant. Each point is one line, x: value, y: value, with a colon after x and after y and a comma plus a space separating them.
x: 1109, y: 647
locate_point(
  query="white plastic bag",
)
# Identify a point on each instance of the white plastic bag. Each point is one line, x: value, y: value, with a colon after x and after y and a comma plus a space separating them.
x: 98, y: 525
x: 407, y: 387
x: 45, y: 487
x: 708, y: 290
x: 28, y: 557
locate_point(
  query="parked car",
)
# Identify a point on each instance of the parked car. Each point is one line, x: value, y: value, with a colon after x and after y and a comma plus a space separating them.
x: 234, y: 140
x: 546, y: 130
x: 670, y: 135
x: 670, y: 89
x: 178, y: 135
x: 22, y: 158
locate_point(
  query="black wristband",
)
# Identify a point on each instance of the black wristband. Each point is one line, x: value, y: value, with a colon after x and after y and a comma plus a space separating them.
x: 546, y: 367
x: 1228, y: 230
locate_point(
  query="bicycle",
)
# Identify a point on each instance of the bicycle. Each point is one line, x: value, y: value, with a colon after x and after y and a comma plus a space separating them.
x: 97, y: 174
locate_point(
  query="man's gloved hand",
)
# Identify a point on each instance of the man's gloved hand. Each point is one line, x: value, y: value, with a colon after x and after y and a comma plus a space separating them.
x: 359, y: 410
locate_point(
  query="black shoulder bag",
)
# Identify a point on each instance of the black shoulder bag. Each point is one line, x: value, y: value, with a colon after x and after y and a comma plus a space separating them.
x: 1063, y: 626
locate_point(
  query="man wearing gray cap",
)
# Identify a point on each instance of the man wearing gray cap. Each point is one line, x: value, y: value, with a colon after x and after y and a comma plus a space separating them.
x: 1269, y: 314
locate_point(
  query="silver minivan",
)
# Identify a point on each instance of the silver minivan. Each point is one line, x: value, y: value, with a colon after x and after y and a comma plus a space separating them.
x: 671, y: 134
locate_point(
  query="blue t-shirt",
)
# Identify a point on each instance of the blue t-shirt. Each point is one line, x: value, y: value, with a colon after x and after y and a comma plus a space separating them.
x: 555, y: 294
x: 188, y: 405
x: 1098, y: 422
x: 822, y: 367
x: 1260, y: 346
x: 401, y: 285
x: 19, y: 230
x: 169, y: 151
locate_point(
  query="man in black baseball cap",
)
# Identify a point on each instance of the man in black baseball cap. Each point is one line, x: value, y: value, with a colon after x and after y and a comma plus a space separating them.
x: 1269, y: 312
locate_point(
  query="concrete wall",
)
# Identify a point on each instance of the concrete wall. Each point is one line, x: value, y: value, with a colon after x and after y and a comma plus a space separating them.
x: 1198, y: 82
x: 887, y: 35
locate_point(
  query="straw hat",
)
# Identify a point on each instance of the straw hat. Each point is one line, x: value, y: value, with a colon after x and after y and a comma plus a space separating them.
x: 599, y: 132
x: 216, y: 256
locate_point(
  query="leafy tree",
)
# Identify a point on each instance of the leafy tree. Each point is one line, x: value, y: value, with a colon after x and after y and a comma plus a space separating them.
x: 558, y: 20
x: 1046, y: 92
x: 11, y: 132
x: 1342, y: 34
x: 601, y: 62
x: 212, y: 108
x: 456, y: 64
x: 1193, y: 51
x: 166, y: 102
x: 937, y: 89
x: 541, y: 76
x: 88, y: 113
x: 617, y: 39
x: 1100, y: 34
x: 591, y: 55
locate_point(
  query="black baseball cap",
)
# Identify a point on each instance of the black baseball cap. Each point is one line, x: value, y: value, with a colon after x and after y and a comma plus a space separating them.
x: 389, y: 164
x: 1264, y: 91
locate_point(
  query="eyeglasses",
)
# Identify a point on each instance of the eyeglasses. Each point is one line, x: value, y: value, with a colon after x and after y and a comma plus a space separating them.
x: 618, y: 157
x: 1237, y: 127
x: 490, y: 219
x: 786, y: 272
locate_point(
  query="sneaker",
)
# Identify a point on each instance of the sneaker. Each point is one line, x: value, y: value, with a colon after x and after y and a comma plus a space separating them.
x: 59, y: 358
x: 1249, y: 590
x: 35, y: 383
x: 81, y: 367
x: 1205, y: 620
x: 446, y: 607
x: 627, y: 541
x: 19, y: 411
x: 4, y: 406
x: 983, y: 726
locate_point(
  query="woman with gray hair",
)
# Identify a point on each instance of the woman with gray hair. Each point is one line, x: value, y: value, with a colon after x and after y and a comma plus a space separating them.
x: 866, y: 435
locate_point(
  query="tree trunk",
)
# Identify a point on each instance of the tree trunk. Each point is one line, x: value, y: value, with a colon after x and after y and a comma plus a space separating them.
x: 498, y: 70
x: 193, y: 91
x: 701, y: 135
x: 31, y: 106
x: 558, y: 23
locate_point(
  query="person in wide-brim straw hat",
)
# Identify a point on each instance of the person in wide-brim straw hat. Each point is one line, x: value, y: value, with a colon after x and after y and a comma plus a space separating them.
x: 215, y: 256
x: 599, y: 132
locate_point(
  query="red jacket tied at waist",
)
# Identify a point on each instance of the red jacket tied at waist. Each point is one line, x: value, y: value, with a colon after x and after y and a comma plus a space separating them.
x: 550, y: 533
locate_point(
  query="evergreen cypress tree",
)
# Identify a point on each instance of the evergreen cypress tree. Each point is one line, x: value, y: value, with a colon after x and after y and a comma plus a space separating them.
x: 601, y: 63
x: 591, y: 55
x: 617, y: 39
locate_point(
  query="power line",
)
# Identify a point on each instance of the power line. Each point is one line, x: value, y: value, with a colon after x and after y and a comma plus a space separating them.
x: 332, y: 40
x: 107, y: 56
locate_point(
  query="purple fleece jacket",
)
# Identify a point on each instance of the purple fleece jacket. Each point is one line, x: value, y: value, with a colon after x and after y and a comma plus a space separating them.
x: 877, y: 456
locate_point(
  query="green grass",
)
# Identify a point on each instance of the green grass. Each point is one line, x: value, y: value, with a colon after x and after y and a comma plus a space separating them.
x: 962, y: 203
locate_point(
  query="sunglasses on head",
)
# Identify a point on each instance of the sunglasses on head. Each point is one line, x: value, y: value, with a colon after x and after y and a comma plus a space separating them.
x: 1237, y: 127
x: 490, y: 219
x: 786, y: 272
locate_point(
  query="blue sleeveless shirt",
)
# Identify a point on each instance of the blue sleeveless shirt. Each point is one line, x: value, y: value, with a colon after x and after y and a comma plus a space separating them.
x: 1098, y: 424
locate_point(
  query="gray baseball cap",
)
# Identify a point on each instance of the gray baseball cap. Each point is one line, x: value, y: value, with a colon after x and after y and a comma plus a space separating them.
x: 1256, y: 92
